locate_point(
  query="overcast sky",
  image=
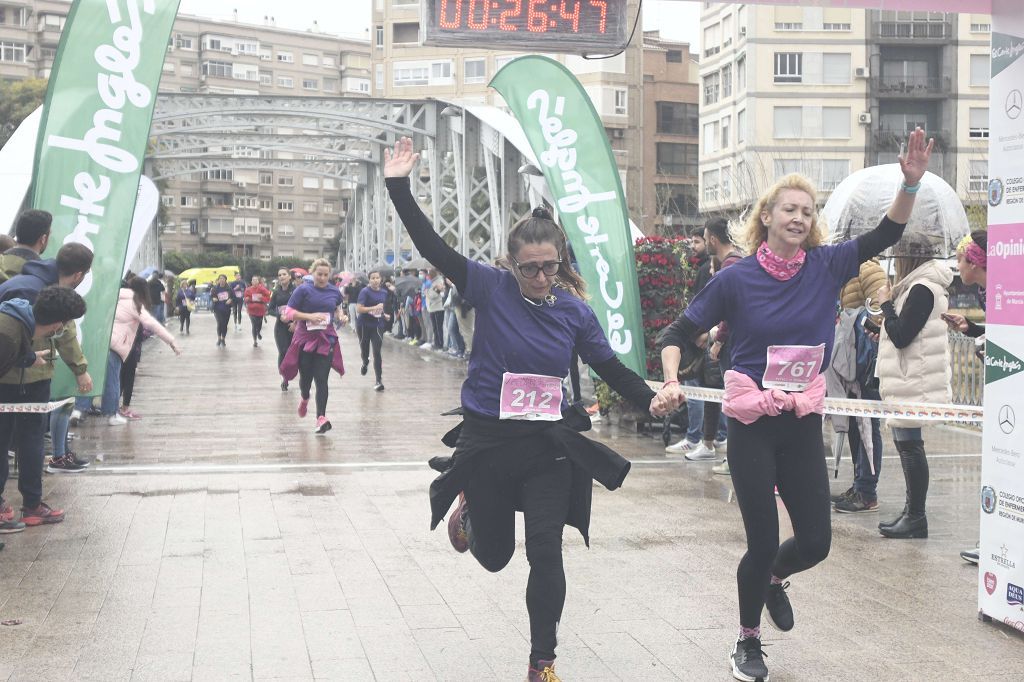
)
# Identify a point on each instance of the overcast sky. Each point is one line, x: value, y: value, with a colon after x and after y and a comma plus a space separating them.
x: 677, y: 19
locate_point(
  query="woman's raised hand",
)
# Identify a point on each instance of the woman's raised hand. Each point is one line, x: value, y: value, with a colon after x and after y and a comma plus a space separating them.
x: 398, y: 163
x: 914, y: 160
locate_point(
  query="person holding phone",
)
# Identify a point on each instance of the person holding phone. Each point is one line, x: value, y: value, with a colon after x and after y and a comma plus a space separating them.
x: 315, y: 348
x: 775, y: 392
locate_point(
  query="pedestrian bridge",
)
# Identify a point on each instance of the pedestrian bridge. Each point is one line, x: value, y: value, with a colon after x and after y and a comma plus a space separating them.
x: 474, y: 181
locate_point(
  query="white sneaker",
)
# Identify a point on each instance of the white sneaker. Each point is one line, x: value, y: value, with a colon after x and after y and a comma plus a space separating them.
x: 116, y: 420
x: 701, y: 453
x: 722, y: 468
x: 720, y: 445
x: 426, y: 346
x: 681, y: 447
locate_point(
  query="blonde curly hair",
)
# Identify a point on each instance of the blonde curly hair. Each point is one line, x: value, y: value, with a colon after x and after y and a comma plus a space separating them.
x: 756, y: 231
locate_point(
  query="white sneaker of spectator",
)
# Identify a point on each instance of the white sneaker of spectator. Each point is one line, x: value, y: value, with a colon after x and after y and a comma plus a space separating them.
x: 117, y: 420
x: 683, y: 446
x: 701, y: 453
x: 720, y: 445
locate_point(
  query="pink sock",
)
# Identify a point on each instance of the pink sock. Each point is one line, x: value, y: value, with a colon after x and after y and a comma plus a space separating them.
x: 750, y: 633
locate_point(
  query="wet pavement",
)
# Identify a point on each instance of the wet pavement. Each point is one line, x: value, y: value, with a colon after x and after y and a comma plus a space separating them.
x: 221, y: 539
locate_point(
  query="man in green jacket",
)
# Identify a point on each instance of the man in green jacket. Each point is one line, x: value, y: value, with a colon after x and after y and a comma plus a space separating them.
x: 20, y: 323
x: 31, y: 236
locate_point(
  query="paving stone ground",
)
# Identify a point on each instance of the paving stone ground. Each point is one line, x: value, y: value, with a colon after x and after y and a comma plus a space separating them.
x: 220, y: 539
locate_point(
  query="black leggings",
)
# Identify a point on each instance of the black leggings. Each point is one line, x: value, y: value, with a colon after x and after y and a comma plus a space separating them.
x: 184, y: 319
x: 128, y: 369
x: 540, y: 486
x: 236, y: 309
x: 257, y: 326
x: 314, y: 367
x: 283, y: 339
x: 437, y: 323
x: 787, y: 452
x: 223, y: 317
x: 371, y: 336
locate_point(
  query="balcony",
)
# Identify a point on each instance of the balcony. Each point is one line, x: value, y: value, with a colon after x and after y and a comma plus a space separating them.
x: 934, y: 30
x: 913, y: 86
x: 892, y: 138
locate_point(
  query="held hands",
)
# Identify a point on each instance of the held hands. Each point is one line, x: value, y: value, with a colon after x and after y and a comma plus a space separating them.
x: 400, y: 162
x: 42, y: 357
x: 667, y: 400
x: 914, y: 160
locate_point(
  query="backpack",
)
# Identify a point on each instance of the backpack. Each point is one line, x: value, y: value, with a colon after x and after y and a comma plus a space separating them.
x: 866, y: 354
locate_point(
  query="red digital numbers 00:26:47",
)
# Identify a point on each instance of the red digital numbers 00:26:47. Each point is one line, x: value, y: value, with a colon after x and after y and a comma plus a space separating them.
x: 535, y: 16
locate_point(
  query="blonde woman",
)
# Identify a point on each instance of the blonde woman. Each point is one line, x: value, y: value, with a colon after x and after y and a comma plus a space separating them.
x: 314, y: 349
x: 779, y: 304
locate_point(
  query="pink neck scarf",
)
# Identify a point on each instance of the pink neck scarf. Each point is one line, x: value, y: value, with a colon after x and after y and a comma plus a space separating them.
x: 778, y: 267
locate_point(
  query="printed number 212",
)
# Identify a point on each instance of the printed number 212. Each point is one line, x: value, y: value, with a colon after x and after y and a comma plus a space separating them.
x: 519, y: 396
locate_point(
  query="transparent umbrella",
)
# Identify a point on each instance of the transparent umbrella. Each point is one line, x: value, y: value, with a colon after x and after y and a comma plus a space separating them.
x: 936, y: 225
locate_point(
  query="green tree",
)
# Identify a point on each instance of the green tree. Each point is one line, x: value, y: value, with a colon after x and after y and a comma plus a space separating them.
x: 18, y: 99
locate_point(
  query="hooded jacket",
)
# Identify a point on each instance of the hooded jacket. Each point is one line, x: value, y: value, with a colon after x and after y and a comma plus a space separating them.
x: 17, y: 325
x: 14, y: 259
x: 919, y: 372
x: 35, y: 276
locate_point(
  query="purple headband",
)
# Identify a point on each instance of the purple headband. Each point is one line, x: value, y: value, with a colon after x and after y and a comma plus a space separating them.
x: 976, y: 255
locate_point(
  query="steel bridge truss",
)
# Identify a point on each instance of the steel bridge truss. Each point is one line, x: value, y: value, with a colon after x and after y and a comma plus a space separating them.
x: 467, y: 182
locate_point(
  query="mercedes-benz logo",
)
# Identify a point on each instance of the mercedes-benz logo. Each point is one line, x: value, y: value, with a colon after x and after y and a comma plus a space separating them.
x: 1007, y: 420
x: 1014, y: 103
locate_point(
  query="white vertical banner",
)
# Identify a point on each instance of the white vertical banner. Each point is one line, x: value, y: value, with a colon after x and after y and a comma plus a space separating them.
x: 1001, y: 498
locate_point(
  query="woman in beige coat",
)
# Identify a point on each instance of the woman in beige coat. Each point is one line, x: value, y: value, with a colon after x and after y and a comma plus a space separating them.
x: 913, y: 366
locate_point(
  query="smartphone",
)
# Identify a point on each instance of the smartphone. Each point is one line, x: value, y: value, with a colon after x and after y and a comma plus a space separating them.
x: 871, y: 326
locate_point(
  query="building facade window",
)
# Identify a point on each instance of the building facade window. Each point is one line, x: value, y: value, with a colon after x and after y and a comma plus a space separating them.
x: 980, y: 70
x: 285, y: 82
x: 788, y: 122
x: 836, y: 122
x: 620, y: 106
x: 217, y: 69
x: 674, y: 56
x: 474, y: 71
x: 836, y: 68
x: 788, y: 67
x: 725, y: 125
x: 741, y: 74
x: 677, y: 118
x: 676, y: 158
x: 310, y: 207
x: 711, y: 187
x: 712, y: 87
x: 741, y: 126
x: 727, y: 80
x: 979, y: 123
x: 285, y: 181
x: 285, y: 206
x: 310, y: 84
x: 978, y: 181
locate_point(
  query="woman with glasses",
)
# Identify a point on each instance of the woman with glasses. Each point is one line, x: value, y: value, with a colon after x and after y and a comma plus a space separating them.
x: 514, y: 450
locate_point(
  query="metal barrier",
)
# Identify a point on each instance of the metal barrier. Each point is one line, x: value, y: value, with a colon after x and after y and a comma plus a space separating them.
x: 968, y: 371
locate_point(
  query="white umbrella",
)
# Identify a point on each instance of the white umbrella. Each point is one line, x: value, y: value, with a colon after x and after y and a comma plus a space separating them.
x: 937, y: 223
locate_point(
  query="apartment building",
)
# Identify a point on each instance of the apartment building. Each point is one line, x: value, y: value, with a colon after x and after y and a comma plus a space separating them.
x: 671, y: 128
x: 249, y: 212
x: 826, y: 91
x: 404, y: 68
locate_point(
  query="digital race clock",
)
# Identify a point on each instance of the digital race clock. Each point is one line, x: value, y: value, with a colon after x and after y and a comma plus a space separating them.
x: 547, y: 25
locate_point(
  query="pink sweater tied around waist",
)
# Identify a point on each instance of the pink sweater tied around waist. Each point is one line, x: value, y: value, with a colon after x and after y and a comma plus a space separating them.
x: 746, y: 402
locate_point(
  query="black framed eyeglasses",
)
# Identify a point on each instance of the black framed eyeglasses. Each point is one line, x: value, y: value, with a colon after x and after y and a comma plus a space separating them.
x: 531, y: 270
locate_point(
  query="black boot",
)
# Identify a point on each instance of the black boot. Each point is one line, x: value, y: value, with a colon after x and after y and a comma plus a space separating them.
x: 890, y: 524
x: 913, y: 523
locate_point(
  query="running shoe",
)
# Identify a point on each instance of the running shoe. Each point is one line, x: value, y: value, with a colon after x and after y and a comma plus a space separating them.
x: 970, y: 555
x: 322, y: 425
x: 682, y: 447
x: 747, y: 661
x: 255, y: 345
x: 721, y: 445
x: 848, y: 493
x: 701, y: 453
x: 74, y: 458
x: 41, y: 515
x: 11, y: 454
x: 777, y: 607
x: 856, y: 504
x: 129, y: 414
x: 76, y: 417
x: 457, y: 533
x: 722, y: 468
x: 8, y: 524
x: 64, y: 465
x: 362, y: 369
x: 284, y: 385
x: 116, y: 420
x: 544, y: 672
x: 303, y: 407
x: 378, y: 387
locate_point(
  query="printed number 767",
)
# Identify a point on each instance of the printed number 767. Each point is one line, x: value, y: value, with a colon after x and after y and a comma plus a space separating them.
x: 797, y: 369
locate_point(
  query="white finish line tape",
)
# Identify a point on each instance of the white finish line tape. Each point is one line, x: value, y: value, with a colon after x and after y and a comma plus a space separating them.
x: 863, y: 408
x: 34, y: 408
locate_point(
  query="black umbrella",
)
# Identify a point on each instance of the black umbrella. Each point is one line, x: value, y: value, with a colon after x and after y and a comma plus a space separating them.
x: 407, y: 286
